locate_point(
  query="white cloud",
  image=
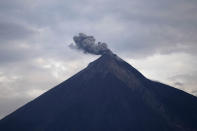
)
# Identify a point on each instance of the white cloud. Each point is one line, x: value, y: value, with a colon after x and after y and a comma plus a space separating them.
x: 170, y: 69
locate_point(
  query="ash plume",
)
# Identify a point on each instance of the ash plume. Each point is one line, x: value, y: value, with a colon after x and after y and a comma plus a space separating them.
x: 88, y: 45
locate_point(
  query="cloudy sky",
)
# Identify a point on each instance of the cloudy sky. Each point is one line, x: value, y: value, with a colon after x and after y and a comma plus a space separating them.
x: 158, y: 37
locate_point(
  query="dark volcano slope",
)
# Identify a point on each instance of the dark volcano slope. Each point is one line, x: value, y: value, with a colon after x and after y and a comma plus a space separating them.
x: 108, y: 95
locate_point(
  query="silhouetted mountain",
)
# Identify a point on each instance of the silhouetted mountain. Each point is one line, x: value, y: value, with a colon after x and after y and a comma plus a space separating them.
x: 108, y: 95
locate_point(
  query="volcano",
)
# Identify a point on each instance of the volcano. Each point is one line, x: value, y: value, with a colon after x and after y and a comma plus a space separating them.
x: 108, y: 95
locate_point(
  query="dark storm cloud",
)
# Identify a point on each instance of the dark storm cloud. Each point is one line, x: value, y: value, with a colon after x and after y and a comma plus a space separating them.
x: 13, y: 31
x: 15, y: 42
x: 88, y: 45
x: 153, y: 27
x: 149, y: 27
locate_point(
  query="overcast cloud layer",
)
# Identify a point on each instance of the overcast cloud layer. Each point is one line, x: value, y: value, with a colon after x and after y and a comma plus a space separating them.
x: 157, y: 37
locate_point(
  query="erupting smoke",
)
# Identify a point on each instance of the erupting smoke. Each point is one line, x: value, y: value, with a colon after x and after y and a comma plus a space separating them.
x: 88, y: 45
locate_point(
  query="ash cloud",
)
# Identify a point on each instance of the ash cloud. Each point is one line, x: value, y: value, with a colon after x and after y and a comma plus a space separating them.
x: 88, y: 45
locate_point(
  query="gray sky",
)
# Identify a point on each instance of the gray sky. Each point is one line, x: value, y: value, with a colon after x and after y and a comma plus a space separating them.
x: 158, y: 37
